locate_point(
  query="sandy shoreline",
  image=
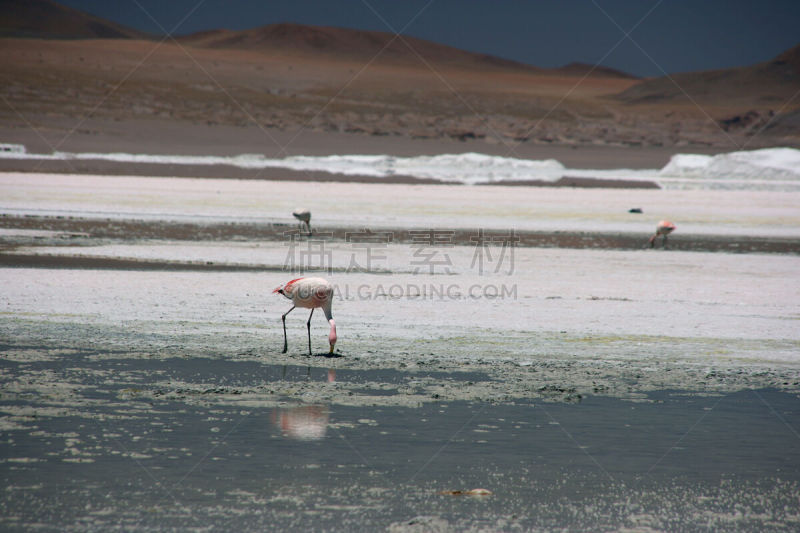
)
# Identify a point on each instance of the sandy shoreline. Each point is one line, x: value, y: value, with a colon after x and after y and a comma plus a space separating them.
x: 48, y: 134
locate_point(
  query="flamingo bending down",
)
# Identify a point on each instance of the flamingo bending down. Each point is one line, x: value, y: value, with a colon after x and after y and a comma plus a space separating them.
x: 309, y: 293
x: 664, y: 228
x: 304, y: 216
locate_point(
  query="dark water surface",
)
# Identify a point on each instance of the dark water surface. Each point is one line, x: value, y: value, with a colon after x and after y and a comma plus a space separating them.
x: 165, y: 444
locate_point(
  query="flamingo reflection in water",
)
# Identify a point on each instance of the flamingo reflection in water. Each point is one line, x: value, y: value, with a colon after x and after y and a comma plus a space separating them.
x: 307, y: 422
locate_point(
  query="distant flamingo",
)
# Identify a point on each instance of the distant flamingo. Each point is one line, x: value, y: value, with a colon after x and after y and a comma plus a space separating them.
x: 304, y: 216
x: 664, y: 228
x: 309, y: 293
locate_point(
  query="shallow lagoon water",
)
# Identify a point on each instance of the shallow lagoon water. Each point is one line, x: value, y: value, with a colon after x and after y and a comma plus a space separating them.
x: 125, y: 443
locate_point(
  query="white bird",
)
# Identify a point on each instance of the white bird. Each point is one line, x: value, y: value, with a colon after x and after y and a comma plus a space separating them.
x: 304, y: 216
x: 309, y: 293
x: 664, y: 228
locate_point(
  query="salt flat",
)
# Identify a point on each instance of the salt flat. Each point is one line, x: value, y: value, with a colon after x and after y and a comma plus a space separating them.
x: 747, y: 213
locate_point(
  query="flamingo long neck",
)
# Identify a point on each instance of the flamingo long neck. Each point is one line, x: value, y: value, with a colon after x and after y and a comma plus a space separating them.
x: 332, y: 335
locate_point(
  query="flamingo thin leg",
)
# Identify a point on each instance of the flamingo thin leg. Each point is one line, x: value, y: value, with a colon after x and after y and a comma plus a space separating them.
x: 285, y: 343
x: 308, y: 325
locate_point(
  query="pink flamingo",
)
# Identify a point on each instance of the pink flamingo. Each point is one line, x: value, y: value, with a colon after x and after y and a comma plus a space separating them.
x: 664, y: 228
x: 309, y: 293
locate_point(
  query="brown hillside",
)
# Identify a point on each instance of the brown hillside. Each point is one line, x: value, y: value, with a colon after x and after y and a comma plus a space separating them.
x: 45, y: 19
x: 763, y: 84
x: 286, y: 77
x: 347, y: 44
x: 595, y: 71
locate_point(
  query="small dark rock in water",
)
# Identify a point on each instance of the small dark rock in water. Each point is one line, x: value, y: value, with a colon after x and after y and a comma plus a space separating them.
x: 471, y: 492
x: 635, y: 210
